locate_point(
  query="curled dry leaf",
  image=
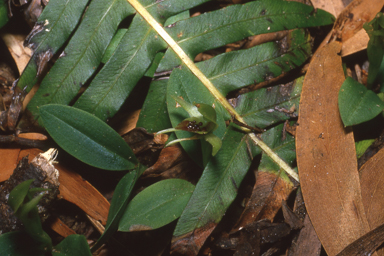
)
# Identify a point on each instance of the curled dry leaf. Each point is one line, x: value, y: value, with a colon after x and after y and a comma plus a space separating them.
x: 326, y: 156
x: 349, y: 22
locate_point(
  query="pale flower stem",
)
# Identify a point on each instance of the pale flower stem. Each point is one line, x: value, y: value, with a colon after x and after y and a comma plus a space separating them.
x: 207, y: 83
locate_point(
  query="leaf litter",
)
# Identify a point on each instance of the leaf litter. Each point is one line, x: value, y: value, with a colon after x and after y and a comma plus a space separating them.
x: 242, y: 244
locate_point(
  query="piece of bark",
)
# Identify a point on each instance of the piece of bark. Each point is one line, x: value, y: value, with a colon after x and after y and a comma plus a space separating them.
x: 326, y: 156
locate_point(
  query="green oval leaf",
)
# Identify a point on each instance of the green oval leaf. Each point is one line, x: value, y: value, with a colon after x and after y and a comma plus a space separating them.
x: 72, y: 245
x: 87, y: 138
x: 157, y: 205
x: 357, y: 104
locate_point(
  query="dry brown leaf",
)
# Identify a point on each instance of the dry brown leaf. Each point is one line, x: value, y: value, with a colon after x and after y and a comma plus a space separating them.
x: 20, y: 54
x: 372, y: 190
x: 326, y: 156
x: 332, y: 6
x: 307, y: 242
x: 366, y: 244
x: 266, y: 199
x: 78, y: 191
x: 61, y: 228
x: 349, y: 23
x: 8, y: 162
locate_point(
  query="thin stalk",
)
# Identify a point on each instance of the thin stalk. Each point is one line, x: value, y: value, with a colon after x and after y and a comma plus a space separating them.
x: 207, y: 83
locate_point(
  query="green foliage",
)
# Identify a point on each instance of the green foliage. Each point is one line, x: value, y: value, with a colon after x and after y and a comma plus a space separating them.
x: 87, y: 138
x: 202, y: 121
x: 284, y: 147
x: 138, y: 47
x: 157, y: 205
x: 218, y: 185
x: 75, y: 245
x: 357, y: 104
x: 3, y: 13
x: 134, y: 53
x: 375, y: 50
x: 362, y: 146
x: 53, y: 28
x: 119, y: 203
x: 25, y: 208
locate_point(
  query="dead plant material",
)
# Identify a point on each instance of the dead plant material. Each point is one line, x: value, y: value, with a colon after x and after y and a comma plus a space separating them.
x: 266, y: 199
x: 326, y: 156
x: 372, y: 190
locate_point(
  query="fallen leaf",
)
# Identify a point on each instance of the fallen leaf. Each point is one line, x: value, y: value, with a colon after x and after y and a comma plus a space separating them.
x: 326, y: 156
x: 20, y: 54
x: 332, y: 6
x: 8, y: 162
x: 307, y: 242
x: 372, y: 190
x: 78, y: 191
x: 349, y: 23
x: 365, y: 245
x: 61, y: 228
x: 266, y: 198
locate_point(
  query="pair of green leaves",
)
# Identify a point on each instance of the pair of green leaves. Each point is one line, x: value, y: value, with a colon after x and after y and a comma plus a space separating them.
x: 357, y: 104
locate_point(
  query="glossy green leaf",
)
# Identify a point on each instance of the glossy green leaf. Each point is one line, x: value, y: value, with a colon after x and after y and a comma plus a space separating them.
x: 236, y: 22
x: 3, y: 13
x: 82, y: 55
x: 157, y: 205
x: 54, y: 26
x: 357, y: 104
x: 214, y: 141
x: 268, y: 106
x: 87, y: 138
x: 375, y: 49
x: 154, y: 114
x: 119, y: 203
x: 234, y: 70
x: 75, y: 245
x: 19, y: 244
x: 218, y: 185
x: 176, y: 18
